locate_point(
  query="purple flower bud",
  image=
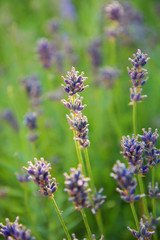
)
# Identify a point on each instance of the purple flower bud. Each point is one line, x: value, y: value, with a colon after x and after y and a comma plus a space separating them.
x: 77, y: 188
x: 15, y: 231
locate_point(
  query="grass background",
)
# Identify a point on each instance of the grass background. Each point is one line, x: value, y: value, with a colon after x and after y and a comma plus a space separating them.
x: 22, y: 23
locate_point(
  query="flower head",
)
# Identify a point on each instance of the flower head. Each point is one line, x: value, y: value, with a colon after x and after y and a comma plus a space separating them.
x: 77, y: 188
x: 153, y: 192
x: 144, y: 232
x: 40, y: 174
x: 152, y: 154
x: 76, y: 106
x: 74, y: 82
x: 79, y: 124
x: 98, y: 200
x: 44, y: 50
x: 132, y: 150
x: 15, y: 231
x: 30, y: 120
x: 127, y: 183
x: 114, y: 11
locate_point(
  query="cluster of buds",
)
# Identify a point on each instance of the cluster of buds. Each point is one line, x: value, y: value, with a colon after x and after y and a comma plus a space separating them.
x: 78, y: 123
x: 15, y: 231
x: 152, y: 154
x: 108, y: 76
x: 151, y: 222
x: 144, y: 233
x: 77, y: 188
x: 45, y: 52
x: 40, y: 174
x: 137, y: 75
x: 98, y: 200
x: 133, y: 152
x: 30, y: 120
x: 114, y: 13
x: 125, y: 180
x: 153, y: 193
x: 33, y: 89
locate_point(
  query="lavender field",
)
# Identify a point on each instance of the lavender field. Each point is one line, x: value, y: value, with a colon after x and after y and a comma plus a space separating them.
x: 79, y: 120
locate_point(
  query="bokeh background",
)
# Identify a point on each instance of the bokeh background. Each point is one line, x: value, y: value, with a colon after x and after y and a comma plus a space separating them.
x: 78, y: 33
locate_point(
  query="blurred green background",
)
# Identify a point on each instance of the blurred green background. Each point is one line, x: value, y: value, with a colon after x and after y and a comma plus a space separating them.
x: 22, y: 24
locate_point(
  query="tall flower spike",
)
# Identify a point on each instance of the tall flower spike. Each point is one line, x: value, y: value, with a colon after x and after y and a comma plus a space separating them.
x: 74, y: 82
x: 144, y: 232
x: 124, y: 179
x: 75, y: 107
x: 40, y: 174
x: 137, y: 75
x: 77, y: 188
x: 15, y: 231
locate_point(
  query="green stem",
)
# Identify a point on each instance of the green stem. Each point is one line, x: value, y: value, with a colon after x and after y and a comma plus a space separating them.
x: 98, y: 215
x: 86, y: 224
x: 134, y: 118
x: 60, y: 218
x: 134, y: 215
x: 89, y: 169
x: 153, y: 199
x: 28, y: 212
x: 144, y: 200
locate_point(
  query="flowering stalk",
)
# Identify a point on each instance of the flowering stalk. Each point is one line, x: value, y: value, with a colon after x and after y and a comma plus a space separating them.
x: 137, y: 75
x: 40, y: 174
x: 78, y: 122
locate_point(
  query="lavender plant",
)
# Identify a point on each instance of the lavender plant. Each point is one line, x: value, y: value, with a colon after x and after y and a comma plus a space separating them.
x: 15, y: 231
x: 79, y: 125
x: 40, y: 174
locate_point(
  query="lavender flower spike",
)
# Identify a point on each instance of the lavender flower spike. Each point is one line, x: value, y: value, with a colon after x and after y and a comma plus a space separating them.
x: 40, y: 174
x: 77, y: 188
x: 44, y: 50
x: 74, y: 82
x: 30, y: 120
x: 137, y: 75
x: 144, y: 232
x: 15, y: 231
